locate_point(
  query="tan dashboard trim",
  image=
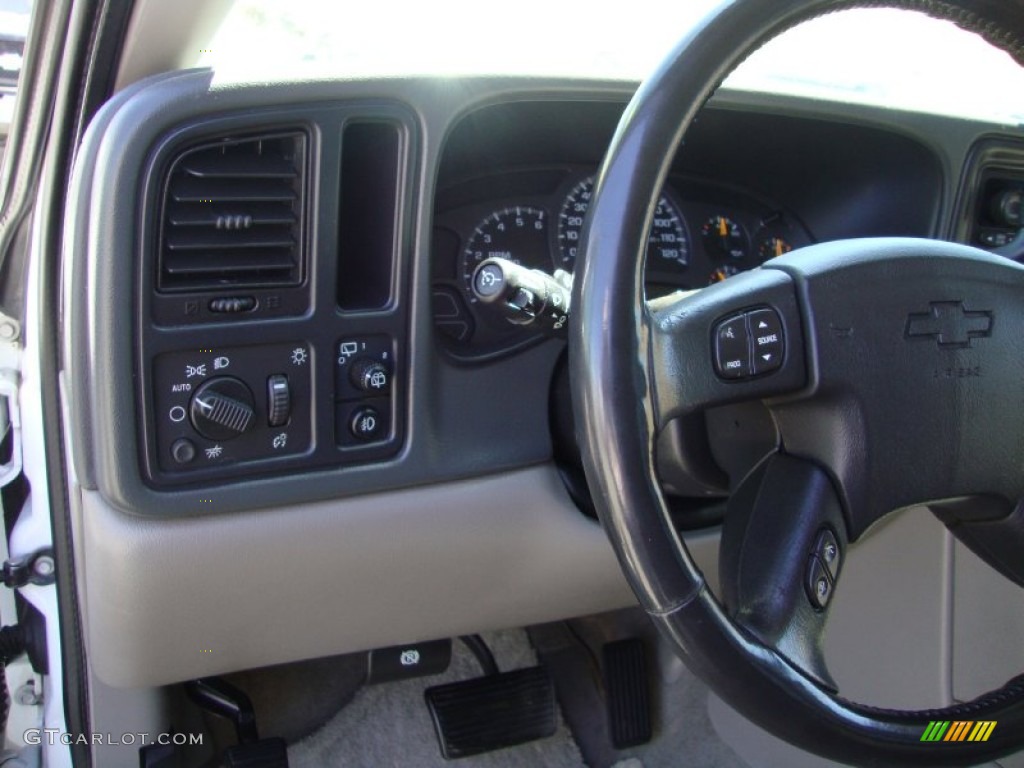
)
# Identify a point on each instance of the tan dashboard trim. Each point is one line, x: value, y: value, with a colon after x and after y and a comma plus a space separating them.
x: 170, y: 600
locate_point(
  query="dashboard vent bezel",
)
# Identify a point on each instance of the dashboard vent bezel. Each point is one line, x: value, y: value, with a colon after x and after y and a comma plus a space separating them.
x: 255, y: 235
x: 993, y: 162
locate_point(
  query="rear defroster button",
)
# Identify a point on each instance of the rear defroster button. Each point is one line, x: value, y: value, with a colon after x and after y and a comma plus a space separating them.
x: 769, y: 344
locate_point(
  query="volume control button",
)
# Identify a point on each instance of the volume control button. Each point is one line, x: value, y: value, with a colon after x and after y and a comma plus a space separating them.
x: 279, y: 400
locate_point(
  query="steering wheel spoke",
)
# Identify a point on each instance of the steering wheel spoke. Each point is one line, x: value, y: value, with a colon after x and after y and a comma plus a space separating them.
x: 992, y: 532
x: 738, y: 340
x: 782, y: 551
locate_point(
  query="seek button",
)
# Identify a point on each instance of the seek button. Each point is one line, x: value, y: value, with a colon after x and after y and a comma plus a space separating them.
x: 769, y: 343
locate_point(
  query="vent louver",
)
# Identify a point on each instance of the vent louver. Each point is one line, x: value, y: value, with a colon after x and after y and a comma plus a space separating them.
x: 233, y: 215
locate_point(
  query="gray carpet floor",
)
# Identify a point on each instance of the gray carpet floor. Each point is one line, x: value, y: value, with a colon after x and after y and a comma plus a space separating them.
x: 389, y: 724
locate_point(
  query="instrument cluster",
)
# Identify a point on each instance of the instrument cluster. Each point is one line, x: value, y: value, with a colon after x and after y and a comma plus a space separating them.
x: 701, y: 233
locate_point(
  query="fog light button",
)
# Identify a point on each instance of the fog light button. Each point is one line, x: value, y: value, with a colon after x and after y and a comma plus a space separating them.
x: 366, y: 424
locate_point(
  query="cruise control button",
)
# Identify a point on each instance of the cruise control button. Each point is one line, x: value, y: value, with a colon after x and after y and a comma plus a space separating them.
x: 818, y: 583
x: 769, y: 342
x: 732, y: 348
x: 827, y: 549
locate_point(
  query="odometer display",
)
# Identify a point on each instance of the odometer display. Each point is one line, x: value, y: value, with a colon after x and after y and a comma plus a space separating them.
x: 668, y: 244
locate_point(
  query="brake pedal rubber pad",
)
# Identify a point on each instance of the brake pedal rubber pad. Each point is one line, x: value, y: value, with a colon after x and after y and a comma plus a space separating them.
x: 493, y: 712
x: 628, y: 693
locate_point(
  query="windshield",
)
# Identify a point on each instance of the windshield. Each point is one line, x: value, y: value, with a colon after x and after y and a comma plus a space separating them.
x: 879, y: 56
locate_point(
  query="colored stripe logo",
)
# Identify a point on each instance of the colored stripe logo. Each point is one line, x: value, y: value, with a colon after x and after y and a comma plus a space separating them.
x: 959, y: 730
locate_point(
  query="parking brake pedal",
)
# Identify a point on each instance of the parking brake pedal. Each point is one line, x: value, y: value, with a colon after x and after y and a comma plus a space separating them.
x: 221, y: 698
x: 493, y: 712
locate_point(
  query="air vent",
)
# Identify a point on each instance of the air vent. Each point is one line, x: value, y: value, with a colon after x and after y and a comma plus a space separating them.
x: 233, y: 215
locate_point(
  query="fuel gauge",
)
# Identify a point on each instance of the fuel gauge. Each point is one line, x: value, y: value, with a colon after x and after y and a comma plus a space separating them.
x: 723, y: 236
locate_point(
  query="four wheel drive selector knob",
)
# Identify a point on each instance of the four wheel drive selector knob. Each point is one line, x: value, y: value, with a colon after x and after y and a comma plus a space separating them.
x: 222, y: 408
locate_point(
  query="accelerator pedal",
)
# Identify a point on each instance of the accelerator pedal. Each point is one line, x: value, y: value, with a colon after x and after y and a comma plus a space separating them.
x: 493, y: 712
x: 627, y: 693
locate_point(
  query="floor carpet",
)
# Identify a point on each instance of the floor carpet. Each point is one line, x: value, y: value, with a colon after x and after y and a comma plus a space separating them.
x: 389, y: 724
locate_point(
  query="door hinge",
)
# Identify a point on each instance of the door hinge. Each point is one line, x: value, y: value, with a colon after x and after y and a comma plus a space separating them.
x: 38, y: 568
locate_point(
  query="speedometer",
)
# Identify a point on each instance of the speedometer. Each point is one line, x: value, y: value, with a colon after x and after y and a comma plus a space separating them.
x: 668, y: 244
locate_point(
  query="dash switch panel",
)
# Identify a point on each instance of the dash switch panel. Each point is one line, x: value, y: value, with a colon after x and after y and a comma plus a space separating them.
x: 216, y: 408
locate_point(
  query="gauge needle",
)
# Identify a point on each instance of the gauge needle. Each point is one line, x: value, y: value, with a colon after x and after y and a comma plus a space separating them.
x: 723, y: 229
x: 778, y: 247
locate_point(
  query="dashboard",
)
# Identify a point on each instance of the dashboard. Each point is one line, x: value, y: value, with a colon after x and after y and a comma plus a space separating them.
x: 272, y: 349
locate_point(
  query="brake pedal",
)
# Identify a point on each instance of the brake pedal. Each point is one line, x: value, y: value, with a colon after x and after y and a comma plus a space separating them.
x: 493, y: 712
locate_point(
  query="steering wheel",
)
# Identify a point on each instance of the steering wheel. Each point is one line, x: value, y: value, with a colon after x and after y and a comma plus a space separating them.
x: 912, y: 399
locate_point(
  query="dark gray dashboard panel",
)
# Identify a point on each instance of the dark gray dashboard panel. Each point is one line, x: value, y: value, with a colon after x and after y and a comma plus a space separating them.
x: 462, y: 420
x: 452, y: 434
x: 844, y: 178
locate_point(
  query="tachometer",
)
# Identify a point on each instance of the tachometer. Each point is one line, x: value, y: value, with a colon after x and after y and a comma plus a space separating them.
x: 519, y: 234
x: 668, y: 244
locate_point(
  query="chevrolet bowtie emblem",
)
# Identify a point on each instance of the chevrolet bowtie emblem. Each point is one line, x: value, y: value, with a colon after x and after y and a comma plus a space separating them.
x: 949, y: 324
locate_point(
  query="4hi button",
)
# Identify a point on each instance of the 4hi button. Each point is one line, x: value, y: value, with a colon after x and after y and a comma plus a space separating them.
x: 769, y: 341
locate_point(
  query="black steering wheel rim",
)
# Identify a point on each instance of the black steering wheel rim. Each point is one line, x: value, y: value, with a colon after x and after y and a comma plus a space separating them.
x: 614, y: 401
